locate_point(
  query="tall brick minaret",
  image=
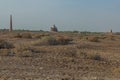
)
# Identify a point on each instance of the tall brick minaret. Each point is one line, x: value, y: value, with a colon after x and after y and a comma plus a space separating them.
x: 10, y: 23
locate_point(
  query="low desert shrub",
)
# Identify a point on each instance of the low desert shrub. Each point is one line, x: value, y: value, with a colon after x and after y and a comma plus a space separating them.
x: 63, y: 40
x: 23, y: 50
x: 26, y: 53
x: 93, y: 39
x: 49, y: 40
x: 4, y: 52
x: 96, y: 57
x: 102, y: 37
x: 26, y: 35
x: 65, y: 79
x: 116, y: 70
x: 117, y: 33
x: 37, y: 36
x: 5, y: 45
x: 17, y: 35
x: 110, y: 37
x: 93, y: 56
x: 82, y: 55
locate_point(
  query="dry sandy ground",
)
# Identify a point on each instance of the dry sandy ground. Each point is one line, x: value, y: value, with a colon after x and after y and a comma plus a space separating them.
x: 63, y: 62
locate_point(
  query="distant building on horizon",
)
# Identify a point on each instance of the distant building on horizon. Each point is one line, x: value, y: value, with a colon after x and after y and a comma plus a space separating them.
x: 111, y: 32
x: 53, y: 28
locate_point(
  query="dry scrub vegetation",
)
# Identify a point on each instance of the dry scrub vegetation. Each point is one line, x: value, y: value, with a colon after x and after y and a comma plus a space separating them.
x: 59, y: 56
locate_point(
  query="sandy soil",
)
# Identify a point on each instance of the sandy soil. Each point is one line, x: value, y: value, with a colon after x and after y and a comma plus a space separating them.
x: 63, y: 62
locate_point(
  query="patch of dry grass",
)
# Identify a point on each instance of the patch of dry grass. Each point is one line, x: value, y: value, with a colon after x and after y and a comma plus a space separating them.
x: 93, y: 39
x: 5, y: 52
x: 26, y: 35
x: 17, y: 35
x: 39, y: 35
x: 23, y: 49
x: 116, y: 70
x: 88, y: 55
x: 51, y: 40
x: 63, y: 40
x: 5, y: 45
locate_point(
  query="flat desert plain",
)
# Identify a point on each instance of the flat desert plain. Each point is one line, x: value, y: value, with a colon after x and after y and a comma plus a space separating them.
x: 59, y: 56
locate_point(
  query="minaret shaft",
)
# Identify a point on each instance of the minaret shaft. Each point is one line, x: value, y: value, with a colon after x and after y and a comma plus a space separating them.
x: 10, y: 23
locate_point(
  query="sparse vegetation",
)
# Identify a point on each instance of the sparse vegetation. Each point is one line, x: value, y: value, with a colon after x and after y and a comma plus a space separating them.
x: 5, y: 45
x: 50, y: 40
x: 93, y: 39
x: 110, y: 37
x: 17, y: 35
x: 63, y: 40
x: 47, y: 40
x: 26, y: 35
x: 116, y: 70
x: 23, y: 50
x: 91, y: 56
x: 96, y: 57
x: 4, y: 52
x: 38, y: 36
x: 59, y: 56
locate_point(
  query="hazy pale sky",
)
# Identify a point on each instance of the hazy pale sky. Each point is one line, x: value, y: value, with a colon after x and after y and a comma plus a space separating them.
x: 81, y: 15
